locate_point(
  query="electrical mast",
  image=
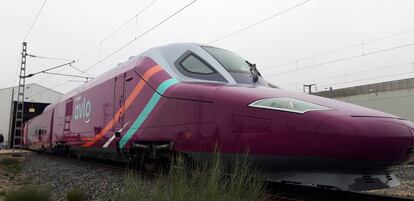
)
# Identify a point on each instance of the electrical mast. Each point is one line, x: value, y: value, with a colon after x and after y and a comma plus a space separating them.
x: 309, y: 87
x: 17, y: 141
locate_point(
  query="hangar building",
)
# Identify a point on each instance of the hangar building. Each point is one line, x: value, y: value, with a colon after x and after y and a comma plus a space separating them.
x: 36, y: 98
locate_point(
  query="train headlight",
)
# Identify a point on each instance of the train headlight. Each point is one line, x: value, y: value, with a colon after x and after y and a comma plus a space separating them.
x: 287, y: 104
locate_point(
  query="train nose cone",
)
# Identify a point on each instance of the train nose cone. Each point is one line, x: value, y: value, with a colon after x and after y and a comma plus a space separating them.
x: 368, y: 138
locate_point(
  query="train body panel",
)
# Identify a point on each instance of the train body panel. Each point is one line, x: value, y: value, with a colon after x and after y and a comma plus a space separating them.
x: 191, y: 99
x: 39, y: 131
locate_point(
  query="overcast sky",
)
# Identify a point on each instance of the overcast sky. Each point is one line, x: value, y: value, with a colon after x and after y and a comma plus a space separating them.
x: 68, y: 29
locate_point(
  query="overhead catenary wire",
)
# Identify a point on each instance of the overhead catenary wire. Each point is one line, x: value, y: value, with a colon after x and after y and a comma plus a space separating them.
x: 78, y: 69
x: 347, y: 74
x: 258, y: 22
x: 34, y: 21
x: 49, y: 69
x: 43, y: 57
x: 129, y: 20
x: 49, y: 58
x: 72, y: 66
x: 127, y: 44
x: 115, y: 31
x: 141, y: 35
x: 338, y: 60
x: 363, y: 54
x: 68, y: 75
x: 27, y: 34
x: 61, y: 84
x: 53, y: 58
x: 338, y: 49
x: 100, y: 43
x: 370, y: 78
x: 353, y: 82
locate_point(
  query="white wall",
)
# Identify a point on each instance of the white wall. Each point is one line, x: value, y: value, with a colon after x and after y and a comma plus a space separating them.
x: 5, y: 107
x: 399, y: 103
x: 39, y: 94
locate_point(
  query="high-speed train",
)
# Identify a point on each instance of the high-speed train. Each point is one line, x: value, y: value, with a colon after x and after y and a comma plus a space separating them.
x: 196, y: 100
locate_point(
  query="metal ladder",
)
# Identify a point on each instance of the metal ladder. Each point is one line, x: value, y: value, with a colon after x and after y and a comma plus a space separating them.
x: 17, y: 142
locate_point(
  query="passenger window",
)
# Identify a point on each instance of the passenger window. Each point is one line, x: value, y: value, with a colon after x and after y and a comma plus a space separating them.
x: 194, y: 65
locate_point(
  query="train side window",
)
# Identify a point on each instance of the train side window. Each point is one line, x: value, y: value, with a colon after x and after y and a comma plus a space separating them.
x: 193, y: 66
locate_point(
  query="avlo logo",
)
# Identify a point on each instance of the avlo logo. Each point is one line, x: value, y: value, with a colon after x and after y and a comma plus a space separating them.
x: 82, y: 109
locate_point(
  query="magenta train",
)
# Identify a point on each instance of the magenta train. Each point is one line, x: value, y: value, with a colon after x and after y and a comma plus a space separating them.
x: 194, y: 100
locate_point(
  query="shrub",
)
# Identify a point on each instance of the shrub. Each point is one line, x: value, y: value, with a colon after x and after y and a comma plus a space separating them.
x: 76, y: 194
x: 24, y: 181
x: 29, y: 193
x: 202, y: 182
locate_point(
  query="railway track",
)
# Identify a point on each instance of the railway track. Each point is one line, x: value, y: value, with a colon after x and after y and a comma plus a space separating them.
x: 277, y: 191
x: 303, y: 193
x: 113, y: 165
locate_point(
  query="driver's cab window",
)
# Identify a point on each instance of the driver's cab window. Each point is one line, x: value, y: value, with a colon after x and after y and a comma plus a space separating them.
x: 193, y: 66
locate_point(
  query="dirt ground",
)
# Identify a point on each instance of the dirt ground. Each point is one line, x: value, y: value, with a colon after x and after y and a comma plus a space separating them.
x: 11, y: 176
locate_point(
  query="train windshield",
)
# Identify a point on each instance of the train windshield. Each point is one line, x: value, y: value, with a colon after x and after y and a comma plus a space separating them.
x: 238, y: 68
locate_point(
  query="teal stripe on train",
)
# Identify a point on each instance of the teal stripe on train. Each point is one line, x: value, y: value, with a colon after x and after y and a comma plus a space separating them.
x: 146, y: 111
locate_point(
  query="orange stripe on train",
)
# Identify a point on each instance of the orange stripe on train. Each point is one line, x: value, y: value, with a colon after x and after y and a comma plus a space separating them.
x: 147, y: 75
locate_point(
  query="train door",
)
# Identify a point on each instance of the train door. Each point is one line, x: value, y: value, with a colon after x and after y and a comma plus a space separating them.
x: 119, y: 100
x: 51, y: 129
x: 68, y: 116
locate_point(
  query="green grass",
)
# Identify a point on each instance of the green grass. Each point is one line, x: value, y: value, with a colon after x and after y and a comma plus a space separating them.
x: 29, y: 193
x: 133, y: 190
x: 201, y: 182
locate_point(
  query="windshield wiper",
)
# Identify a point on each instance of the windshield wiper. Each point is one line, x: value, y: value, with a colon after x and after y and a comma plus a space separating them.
x: 254, y: 72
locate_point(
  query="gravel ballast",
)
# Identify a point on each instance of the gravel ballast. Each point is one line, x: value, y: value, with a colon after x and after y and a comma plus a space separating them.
x: 62, y: 175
